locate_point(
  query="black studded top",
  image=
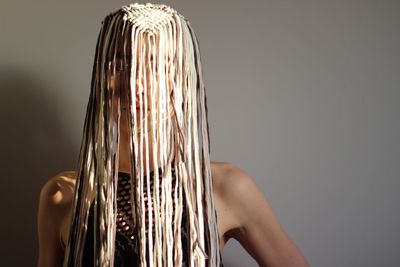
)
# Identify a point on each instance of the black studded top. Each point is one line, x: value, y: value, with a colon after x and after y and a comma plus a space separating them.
x: 126, y: 244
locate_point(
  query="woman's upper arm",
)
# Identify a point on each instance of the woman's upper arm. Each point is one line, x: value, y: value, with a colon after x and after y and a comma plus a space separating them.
x: 260, y: 232
x: 49, y: 222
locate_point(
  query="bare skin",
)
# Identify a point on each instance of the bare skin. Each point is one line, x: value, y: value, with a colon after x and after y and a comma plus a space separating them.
x: 243, y: 212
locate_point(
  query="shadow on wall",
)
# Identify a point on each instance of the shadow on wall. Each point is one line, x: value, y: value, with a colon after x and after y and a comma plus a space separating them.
x: 34, y: 147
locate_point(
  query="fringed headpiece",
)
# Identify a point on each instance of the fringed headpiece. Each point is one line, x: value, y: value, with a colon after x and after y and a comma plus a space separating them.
x: 156, y: 45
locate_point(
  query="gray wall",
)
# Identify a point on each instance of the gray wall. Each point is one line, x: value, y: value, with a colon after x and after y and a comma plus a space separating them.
x: 302, y: 95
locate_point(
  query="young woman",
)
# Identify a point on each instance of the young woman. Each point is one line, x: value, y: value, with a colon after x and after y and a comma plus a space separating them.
x: 145, y: 191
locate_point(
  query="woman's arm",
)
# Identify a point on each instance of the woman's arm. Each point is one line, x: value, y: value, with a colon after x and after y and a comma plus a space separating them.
x: 50, y: 215
x: 260, y: 232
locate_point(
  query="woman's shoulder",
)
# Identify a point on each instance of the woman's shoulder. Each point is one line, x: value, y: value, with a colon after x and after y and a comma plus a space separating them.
x: 56, y: 196
x: 228, y: 178
x: 59, y: 189
x: 55, y: 202
x: 257, y: 224
x: 238, y: 191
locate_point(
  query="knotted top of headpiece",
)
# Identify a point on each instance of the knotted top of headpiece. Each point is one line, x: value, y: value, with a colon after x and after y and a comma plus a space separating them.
x: 149, y: 17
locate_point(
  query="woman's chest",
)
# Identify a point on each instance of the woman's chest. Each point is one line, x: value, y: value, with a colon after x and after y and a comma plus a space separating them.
x: 125, y: 222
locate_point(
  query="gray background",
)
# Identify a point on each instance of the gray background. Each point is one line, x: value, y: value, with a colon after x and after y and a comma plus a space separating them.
x: 302, y: 95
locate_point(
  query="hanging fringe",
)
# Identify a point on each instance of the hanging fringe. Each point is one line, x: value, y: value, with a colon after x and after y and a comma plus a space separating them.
x: 168, y: 121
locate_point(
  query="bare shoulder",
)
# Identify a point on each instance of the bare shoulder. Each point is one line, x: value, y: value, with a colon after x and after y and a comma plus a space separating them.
x: 234, y: 186
x: 58, y: 190
x: 56, y: 197
x: 257, y: 227
x: 231, y: 185
x: 55, y: 201
x: 227, y: 176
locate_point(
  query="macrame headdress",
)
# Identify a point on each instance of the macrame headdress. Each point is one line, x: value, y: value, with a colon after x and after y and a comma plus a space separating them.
x: 173, y: 117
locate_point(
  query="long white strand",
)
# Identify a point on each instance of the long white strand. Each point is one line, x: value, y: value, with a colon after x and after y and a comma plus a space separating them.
x: 103, y: 247
x: 177, y: 113
x: 135, y: 74
x: 141, y: 133
x: 177, y: 243
x: 166, y: 145
x: 188, y: 182
x: 169, y: 206
x: 188, y: 117
x: 164, y: 149
x: 156, y: 179
x: 178, y: 220
x: 146, y: 138
x: 111, y: 175
x: 192, y: 137
x: 163, y: 137
x: 182, y: 99
x: 198, y: 181
x: 155, y: 155
x: 161, y: 105
x: 177, y: 226
x: 112, y: 161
